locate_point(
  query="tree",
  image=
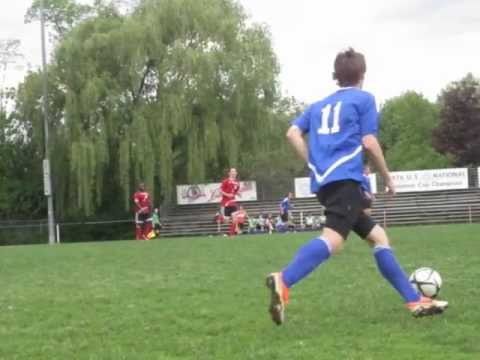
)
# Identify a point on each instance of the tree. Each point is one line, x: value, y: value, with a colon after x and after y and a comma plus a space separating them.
x: 9, y: 54
x: 21, y: 194
x: 458, y: 134
x: 406, y: 126
x: 61, y: 15
x: 174, y: 92
x: 275, y: 167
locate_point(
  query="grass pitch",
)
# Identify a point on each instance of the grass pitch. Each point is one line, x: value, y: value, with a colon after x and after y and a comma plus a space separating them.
x: 204, y: 298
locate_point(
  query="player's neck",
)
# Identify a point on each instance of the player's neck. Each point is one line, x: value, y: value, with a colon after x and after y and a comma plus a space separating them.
x: 358, y: 85
x: 350, y: 87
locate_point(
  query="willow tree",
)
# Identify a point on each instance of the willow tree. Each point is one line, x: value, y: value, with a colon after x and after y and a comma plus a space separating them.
x: 175, y: 92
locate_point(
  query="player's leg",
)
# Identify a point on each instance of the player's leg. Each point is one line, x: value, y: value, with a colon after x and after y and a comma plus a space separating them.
x: 340, y: 218
x: 307, y: 259
x: 144, y: 225
x: 138, y: 227
x: 385, y: 258
x: 230, y: 218
x: 144, y: 218
x: 232, y: 229
x: 138, y: 231
x: 391, y: 270
x: 148, y: 228
x: 311, y: 255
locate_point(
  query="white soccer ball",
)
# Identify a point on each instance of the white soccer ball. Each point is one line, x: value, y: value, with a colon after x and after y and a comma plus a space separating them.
x: 427, y: 281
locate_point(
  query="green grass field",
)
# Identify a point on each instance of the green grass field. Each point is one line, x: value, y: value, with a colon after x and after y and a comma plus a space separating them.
x: 204, y: 298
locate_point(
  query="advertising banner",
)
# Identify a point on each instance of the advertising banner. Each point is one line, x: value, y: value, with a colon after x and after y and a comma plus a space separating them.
x: 430, y: 180
x: 302, y: 186
x: 210, y: 193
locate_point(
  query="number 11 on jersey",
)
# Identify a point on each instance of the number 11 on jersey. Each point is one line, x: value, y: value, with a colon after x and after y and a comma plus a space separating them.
x: 324, y: 129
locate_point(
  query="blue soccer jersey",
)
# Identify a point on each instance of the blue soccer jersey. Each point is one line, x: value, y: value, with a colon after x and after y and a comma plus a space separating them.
x: 285, y: 205
x: 335, y: 127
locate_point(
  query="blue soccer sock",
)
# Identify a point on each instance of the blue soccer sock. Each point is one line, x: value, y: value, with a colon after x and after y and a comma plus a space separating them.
x: 391, y: 270
x: 306, y: 260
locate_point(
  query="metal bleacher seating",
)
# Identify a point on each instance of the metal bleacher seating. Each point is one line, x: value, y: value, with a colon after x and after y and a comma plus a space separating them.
x: 439, y: 207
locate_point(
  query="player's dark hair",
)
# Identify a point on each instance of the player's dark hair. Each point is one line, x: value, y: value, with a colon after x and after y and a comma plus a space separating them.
x: 350, y: 67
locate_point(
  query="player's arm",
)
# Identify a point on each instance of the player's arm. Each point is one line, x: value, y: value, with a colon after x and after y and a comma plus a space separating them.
x: 369, y: 130
x: 300, y: 126
x: 137, y: 203
x: 296, y: 139
x: 375, y: 153
x: 227, y: 194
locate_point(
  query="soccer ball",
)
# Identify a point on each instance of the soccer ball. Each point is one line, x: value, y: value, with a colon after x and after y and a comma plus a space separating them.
x: 427, y: 281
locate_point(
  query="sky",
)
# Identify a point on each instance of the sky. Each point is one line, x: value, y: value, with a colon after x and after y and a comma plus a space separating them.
x: 419, y: 45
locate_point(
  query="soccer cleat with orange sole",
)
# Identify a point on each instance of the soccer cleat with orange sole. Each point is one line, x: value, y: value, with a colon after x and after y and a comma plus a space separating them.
x: 426, y: 307
x: 278, y: 297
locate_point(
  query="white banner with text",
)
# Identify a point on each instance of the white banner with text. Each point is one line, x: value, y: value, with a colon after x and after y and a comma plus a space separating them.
x: 430, y: 180
x: 210, y: 193
x: 302, y: 186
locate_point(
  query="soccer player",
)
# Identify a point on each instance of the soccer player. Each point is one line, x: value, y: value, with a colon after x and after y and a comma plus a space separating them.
x: 285, y: 207
x: 340, y: 128
x: 367, y: 190
x: 239, y: 218
x: 229, y: 189
x: 143, y: 208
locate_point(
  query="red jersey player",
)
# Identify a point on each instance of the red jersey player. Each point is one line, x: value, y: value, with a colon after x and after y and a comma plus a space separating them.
x: 229, y: 189
x: 143, y: 208
x: 239, y: 218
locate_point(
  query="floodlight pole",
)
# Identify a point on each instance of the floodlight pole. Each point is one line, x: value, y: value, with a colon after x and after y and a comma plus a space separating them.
x: 47, y: 177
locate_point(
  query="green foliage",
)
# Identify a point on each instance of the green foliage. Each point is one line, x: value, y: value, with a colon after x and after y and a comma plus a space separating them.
x: 458, y: 134
x: 406, y: 127
x: 173, y: 93
x: 20, y: 191
x: 61, y: 15
x: 275, y: 167
x: 205, y: 298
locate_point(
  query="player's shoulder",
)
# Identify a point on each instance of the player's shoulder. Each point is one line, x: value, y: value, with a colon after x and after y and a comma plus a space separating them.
x: 346, y: 95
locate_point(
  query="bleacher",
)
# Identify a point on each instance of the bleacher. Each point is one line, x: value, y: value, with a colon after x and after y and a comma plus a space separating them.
x: 438, y: 207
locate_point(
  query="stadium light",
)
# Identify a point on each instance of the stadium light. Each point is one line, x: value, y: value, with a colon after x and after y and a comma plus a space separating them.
x: 47, y: 178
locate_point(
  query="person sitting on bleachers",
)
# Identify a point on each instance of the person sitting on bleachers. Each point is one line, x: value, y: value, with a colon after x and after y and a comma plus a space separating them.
x: 252, y: 225
x: 318, y: 221
x: 239, y: 219
x: 269, y: 224
x: 291, y: 222
x: 309, y: 220
x: 261, y: 223
x: 280, y: 226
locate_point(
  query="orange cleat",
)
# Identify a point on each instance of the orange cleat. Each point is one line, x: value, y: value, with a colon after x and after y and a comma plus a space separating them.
x: 278, y: 297
x: 426, y: 307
